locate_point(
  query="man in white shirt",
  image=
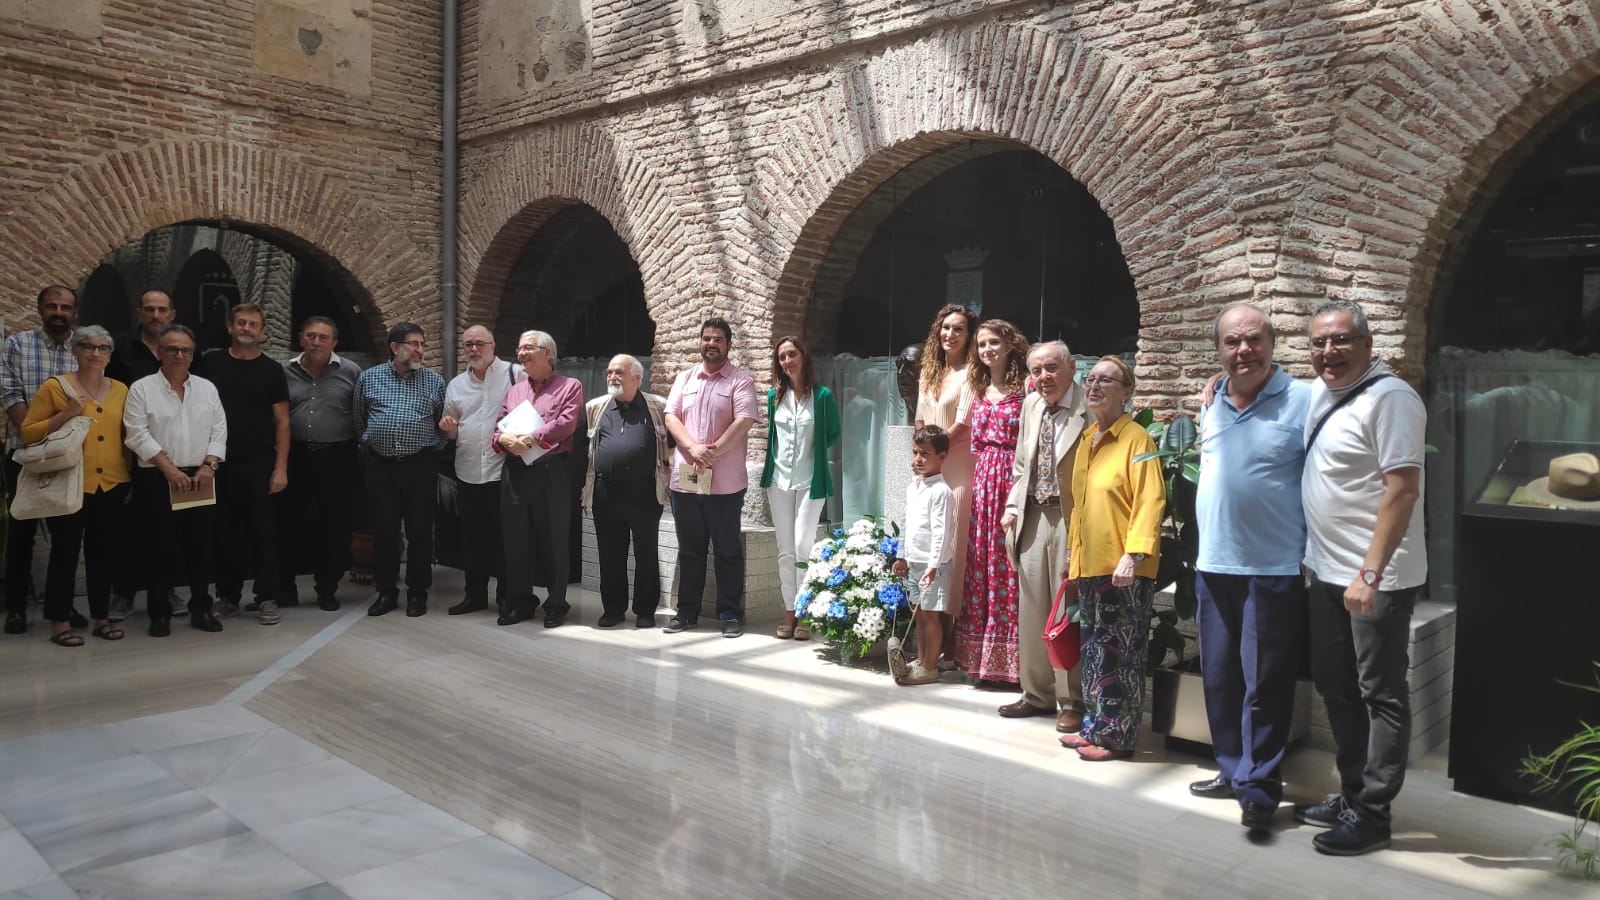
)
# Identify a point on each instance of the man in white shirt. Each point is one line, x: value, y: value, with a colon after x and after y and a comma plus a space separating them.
x: 176, y: 427
x: 471, y: 410
x: 1365, y: 553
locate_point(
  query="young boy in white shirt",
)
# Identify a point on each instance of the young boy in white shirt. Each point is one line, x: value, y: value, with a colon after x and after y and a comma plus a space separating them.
x: 928, y: 542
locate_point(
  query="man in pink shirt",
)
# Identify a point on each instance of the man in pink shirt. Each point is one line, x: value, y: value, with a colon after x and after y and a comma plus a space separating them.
x: 537, y: 499
x: 709, y: 414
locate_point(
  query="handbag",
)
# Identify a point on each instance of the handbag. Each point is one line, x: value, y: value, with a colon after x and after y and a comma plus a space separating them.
x: 1062, y: 637
x: 42, y: 495
x: 60, y: 449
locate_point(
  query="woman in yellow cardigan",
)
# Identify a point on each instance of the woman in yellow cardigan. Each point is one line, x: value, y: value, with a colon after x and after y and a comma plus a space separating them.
x: 1115, y: 546
x: 99, y: 525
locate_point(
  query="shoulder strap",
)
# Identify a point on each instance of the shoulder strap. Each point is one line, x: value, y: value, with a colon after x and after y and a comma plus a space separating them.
x: 1317, y: 429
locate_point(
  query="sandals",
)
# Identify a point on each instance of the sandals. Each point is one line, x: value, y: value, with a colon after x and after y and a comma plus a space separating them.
x: 66, y: 639
x: 108, y: 632
x: 801, y: 633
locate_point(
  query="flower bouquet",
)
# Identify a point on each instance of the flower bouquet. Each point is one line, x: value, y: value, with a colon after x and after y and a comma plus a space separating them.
x: 851, y: 597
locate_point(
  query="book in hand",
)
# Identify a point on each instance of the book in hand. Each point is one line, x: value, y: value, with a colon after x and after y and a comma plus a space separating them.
x: 189, y: 498
x: 692, y: 480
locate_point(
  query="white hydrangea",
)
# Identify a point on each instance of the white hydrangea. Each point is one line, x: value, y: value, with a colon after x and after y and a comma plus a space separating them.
x: 860, y: 543
x: 869, y: 624
x: 816, y: 549
x: 863, y: 526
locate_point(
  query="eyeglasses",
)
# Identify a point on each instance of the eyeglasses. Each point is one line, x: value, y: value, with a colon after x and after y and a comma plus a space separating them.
x: 415, y: 345
x: 178, y: 351
x: 475, y: 345
x: 1338, y: 342
x: 96, y: 348
x: 1094, y: 380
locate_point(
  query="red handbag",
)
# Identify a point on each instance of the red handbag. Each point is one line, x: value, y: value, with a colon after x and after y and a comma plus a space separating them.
x: 1062, y: 636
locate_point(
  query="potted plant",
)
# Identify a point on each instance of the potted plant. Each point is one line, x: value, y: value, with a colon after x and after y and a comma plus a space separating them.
x: 1573, y: 768
x: 851, y: 597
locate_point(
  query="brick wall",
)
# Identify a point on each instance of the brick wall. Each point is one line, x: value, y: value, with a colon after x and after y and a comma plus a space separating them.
x: 315, y: 121
x: 1261, y: 150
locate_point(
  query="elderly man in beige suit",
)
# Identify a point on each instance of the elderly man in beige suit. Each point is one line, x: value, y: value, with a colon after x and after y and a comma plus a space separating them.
x: 1037, y: 512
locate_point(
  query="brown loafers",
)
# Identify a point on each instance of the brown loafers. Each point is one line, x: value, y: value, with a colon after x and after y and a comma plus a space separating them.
x: 1022, y: 709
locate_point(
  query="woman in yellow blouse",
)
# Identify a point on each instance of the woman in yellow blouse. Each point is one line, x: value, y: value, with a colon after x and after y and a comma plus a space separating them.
x: 1115, y: 544
x: 87, y: 392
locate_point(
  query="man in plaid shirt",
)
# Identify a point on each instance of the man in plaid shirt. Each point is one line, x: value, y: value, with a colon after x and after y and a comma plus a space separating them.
x: 30, y: 359
x: 397, y: 408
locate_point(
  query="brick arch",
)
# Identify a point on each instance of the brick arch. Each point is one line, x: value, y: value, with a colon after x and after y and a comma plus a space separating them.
x: 513, y: 196
x: 1420, y: 134
x: 1101, y: 121
x: 117, y: 198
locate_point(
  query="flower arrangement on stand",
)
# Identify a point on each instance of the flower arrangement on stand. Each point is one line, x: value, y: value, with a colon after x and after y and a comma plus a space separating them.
x: 851, y: 597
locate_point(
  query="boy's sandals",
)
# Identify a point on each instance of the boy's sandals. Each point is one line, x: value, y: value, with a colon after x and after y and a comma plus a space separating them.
x: 108, y: 632
x: 66, y: 639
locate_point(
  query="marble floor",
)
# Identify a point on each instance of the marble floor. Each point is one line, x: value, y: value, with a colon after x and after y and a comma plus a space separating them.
x: 340, y: 756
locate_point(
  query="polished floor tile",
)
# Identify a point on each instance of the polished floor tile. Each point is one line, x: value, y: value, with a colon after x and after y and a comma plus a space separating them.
x: 359, y: 838
x: 242, y: 866
x: 50, y: 889
x: 21, y: 866
x: 237, y: 757
x: 289, y: 795
x: 483, y: 867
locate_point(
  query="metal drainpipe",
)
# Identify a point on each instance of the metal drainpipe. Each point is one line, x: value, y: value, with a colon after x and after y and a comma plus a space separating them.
x: 447, y: 189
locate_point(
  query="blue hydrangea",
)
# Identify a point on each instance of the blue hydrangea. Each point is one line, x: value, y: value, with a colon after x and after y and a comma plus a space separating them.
x: 837, y: 577
x: 891, y: 595
x: 803, y: 599
x: 889, y: 546
x: 838, y: 532
x: 828, y: 552
x: 838, y: 610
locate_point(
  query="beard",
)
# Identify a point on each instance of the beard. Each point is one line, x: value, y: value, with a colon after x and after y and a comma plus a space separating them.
x: 613, y: 390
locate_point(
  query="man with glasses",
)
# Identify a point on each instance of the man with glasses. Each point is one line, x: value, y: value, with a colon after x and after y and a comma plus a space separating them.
x: 176, y: 427
x: 255, y: 397
x: 471, y: 408
x: 30, y: 359
x: 134, y: 358
x: 1035, y: 522
x: 1252, y: 540
x: 1366, y: 559
x: 397, y: 410
x: 324, y: 467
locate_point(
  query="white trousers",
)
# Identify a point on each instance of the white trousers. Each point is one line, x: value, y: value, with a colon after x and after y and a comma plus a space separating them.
x: 794, y: 517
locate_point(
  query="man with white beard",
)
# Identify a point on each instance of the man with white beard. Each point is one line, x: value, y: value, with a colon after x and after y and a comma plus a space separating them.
x: 626, y: 487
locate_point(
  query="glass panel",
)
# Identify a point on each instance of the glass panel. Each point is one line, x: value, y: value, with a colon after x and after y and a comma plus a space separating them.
x: 869, y: 402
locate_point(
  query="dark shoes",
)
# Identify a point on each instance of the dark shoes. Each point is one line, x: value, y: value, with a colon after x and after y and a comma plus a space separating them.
x: 1323, y: 815
x: 1069, y: 722
x: 327, y: 601
x: 385, y: 604
x: 678, y: 624
x: 204, y: 621
x: 160, y: 627
x: 553, y: 617
x: 16, y: 622
x: 731, y: 628
x: 645, y: 622
x: 513, y: 615
x: 467, y: 606
x: 1356, y: 834
x: 416, y: 604
x: 1022, y: 709
x: 1256, y: 817
x: 609, y: 620
x: 1217, y: 788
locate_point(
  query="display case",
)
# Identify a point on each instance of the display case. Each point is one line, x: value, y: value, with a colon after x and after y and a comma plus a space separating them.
x: 1527, y: 619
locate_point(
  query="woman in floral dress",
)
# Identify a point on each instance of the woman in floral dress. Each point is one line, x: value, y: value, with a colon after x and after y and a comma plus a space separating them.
x: 986, y: 634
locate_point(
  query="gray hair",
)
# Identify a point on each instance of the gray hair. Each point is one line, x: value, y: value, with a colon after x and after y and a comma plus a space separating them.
x: 1358, y: 317
x: 634, y: 366
x: 184, y: 330
x: 542, y: 340
x: 1060, y: 348
x: 1266, y: 321
x: 321, y: 320
x: 83, y: 334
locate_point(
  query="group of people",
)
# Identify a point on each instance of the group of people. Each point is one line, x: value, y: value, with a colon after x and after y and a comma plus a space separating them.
x: 1308, y: 518
x: 1026, y: 479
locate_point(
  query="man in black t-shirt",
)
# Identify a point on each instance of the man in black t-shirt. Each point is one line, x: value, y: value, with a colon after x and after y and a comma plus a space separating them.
x: 255, y: 398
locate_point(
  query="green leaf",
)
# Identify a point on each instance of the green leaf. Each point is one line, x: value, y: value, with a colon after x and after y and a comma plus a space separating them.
x: 1144, y: 417
x: 1179, y: 436
x: 1150, y: 454
x: 1191, y: 473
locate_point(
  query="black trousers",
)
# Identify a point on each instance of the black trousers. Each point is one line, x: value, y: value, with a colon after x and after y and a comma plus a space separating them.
x: 536, y: 523
x: 19, y: 549
x: 318, y: 513
x: 248, y: 538
x: 702, y: 520
x: 1359, y: 664
x: 181, y: 542
x: 101, y: 528
x: 401, y: 492
x: 624, y: 512
x: 482, y: 551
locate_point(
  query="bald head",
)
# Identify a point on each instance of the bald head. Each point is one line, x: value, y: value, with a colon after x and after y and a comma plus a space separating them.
x: 624, y: 375
x: 1244, y: 341
x: 479, y: 344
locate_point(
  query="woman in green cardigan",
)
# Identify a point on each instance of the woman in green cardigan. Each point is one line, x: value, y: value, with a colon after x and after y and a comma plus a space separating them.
x: 802, y: 424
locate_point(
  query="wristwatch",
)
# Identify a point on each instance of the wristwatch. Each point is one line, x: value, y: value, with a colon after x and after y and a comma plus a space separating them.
x: 212, y: 465
x: 1370, y: 577
x: 1138, y: 557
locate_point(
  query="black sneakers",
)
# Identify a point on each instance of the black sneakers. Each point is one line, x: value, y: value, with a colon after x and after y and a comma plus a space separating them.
x: 731, y: 628
x: 678, y: 624
x: 1322, y: 815
x: 1355, y: 834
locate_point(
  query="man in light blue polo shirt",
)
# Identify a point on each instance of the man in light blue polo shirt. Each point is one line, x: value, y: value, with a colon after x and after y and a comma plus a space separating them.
x: 1252, y: 540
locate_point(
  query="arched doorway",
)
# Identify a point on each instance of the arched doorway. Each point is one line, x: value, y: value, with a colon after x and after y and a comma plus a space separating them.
x: 1514, y: 320
x: 103, y: 300
x: 204, y: 292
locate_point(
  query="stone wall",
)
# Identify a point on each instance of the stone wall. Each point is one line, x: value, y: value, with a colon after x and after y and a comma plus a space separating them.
x: 1266, y: 150
x: 313, y: 122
